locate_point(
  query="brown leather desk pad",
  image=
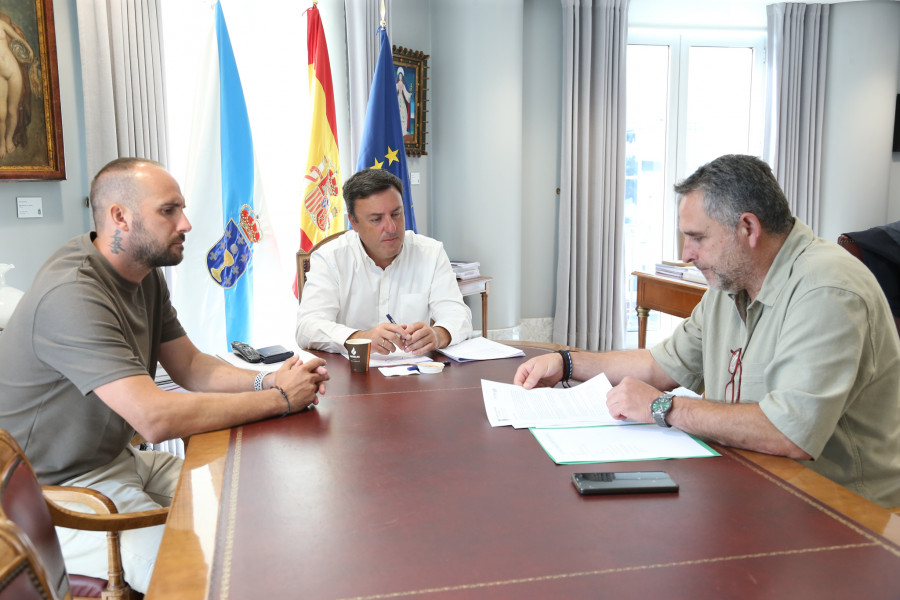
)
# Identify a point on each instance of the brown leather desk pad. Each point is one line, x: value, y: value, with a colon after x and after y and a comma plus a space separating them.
x: 412, y: 494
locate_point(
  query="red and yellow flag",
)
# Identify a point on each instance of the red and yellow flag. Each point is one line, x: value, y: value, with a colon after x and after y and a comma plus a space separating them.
x: 323, y: 200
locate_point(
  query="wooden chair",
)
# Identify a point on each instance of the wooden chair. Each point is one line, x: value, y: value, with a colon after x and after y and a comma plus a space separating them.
x: 31, y: 561
x: 303, y: 261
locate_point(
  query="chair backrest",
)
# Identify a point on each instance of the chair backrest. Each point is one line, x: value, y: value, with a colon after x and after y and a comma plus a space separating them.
x: 303, y: 261
x: 31, y: 561
x: 846, y: 242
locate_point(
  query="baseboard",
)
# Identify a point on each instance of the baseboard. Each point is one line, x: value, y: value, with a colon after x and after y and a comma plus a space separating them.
x: 534, y: 330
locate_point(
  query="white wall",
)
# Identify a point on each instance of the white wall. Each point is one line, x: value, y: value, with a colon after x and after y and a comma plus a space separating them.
x: 861, y: 92
x: 477, y: 125
x: 27, y: 243
x: 542, y: 115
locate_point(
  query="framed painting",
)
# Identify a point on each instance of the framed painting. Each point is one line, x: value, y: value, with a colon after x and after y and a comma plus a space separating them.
x: 31, y: 146
x: 411, y: 75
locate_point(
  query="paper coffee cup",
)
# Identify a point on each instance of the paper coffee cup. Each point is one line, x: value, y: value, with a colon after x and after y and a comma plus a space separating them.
x: 358, y: 350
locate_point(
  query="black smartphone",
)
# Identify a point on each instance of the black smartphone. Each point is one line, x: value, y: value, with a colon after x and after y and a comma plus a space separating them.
x: 274, y: 354
x: 623, y: 483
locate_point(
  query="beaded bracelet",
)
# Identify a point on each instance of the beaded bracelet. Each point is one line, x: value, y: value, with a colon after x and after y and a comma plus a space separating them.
x: 567, y: 366
x: 288, y: 411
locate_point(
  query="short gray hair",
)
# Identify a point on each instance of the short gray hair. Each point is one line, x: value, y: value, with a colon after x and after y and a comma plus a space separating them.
x: 735, y: 184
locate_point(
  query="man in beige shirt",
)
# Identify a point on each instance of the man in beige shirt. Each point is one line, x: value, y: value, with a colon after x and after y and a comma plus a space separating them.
x: 793, y: 346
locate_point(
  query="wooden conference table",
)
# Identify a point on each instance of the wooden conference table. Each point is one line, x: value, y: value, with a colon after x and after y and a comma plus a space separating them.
x: 398, y: 487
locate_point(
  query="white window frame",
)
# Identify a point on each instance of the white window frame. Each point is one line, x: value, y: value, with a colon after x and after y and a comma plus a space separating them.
x: 680, y: 41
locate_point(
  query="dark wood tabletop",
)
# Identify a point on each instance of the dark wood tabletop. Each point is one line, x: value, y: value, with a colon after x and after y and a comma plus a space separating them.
x: 399, y: 487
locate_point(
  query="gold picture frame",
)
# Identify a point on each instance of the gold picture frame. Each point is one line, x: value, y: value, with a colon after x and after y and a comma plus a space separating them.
x: 31, y: 144
x: 411, y: 76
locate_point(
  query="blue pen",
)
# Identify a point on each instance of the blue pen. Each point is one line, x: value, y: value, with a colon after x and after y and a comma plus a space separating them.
x: 391, y: 319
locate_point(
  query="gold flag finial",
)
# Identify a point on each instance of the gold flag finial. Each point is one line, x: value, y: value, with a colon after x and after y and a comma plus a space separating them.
x: 383, y: 22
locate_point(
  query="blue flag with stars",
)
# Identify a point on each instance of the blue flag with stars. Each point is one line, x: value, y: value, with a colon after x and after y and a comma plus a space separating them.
x: 382, y: 139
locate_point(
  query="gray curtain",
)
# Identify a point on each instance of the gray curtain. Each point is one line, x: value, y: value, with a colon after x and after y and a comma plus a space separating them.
x: 589, y: 280
x: 797, y: 49
x: 123, y: 79
x: 363, y: 19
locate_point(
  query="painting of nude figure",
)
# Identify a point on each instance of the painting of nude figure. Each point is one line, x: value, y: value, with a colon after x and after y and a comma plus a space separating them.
x: 30, y: 123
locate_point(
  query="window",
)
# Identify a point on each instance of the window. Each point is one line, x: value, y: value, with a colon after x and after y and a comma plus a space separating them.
x: 690, y: 98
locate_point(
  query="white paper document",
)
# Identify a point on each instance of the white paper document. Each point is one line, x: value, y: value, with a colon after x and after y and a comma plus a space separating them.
x: 613, y: 444
x: 399, y: 371
x: 480, y: 348
x: 584, y: 404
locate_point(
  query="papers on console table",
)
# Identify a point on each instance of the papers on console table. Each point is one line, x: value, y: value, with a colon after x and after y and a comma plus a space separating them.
x: 479, y: 348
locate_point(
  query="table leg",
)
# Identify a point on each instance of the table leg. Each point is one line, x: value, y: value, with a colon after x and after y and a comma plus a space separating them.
x: 642, y: 325
x: 484, y: 296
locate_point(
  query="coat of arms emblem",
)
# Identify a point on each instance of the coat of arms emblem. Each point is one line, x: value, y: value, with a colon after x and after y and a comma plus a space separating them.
x: 230, y: 257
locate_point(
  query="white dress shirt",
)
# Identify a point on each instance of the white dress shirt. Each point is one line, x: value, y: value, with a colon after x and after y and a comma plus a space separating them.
x: 346, y: 292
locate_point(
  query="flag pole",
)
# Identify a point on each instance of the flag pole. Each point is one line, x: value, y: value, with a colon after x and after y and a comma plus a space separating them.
x: 383, y: 12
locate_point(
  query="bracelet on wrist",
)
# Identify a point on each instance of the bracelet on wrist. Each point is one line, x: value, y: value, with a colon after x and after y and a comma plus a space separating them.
x: 258, y: 381
x: 567, y: 366
x: 283, y: 395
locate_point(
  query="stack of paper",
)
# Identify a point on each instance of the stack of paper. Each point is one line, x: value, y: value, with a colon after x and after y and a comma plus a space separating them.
x: 574, y: 425
x: 585, y: 404
x: 466, y: 270
x: 479, y: 348
x: 680, y: 270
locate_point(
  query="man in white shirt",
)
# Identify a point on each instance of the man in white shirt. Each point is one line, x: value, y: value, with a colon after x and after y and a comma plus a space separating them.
x: 379, y: 281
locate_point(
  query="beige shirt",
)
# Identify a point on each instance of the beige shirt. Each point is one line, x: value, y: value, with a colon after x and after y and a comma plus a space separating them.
x: 819, y: 353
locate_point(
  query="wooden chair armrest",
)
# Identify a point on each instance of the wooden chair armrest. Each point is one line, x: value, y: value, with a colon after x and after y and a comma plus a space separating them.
x: 93, y: 499
x: 107, y: 517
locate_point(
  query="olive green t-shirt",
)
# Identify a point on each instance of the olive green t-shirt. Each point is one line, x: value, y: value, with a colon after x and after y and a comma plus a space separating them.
x: 80, y: 325
x: 819, y: 353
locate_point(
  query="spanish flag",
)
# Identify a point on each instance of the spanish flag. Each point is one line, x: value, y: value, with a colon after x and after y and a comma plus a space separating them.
x: 323, y: 201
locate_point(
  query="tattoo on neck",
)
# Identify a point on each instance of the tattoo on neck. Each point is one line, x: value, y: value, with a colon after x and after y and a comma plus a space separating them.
x: 115, y: 246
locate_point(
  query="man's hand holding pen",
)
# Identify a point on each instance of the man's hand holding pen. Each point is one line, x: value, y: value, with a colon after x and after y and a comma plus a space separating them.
x: 417, y: 338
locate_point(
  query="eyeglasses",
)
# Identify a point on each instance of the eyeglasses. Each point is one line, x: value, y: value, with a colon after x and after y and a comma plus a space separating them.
x: 734, y: 369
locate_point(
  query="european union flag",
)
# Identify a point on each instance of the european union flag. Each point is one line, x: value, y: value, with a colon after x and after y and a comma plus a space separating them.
x: 382, y: 139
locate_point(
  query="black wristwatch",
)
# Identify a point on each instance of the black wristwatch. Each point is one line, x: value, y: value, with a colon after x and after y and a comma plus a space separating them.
x: 660, y: 408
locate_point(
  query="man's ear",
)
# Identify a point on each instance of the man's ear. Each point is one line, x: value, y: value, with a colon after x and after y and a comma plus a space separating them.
x: 352, y: 222
x: 749, y: 229
x: 119, y: 217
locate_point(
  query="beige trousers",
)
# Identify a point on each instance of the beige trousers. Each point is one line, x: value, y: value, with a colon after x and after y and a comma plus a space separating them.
x: 136, y: 480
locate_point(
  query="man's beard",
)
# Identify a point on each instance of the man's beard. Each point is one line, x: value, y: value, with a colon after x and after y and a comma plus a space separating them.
x: 148, y: 251
x: 732, y: 273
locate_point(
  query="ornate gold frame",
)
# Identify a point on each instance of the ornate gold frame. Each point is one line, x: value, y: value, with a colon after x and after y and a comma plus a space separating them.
x: 417, y: 62
x: 37, y: 146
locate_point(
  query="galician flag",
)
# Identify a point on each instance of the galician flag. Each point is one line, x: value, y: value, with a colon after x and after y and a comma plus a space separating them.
x: 323, y: 201
x: 382, y: 139
x: 231, y: 249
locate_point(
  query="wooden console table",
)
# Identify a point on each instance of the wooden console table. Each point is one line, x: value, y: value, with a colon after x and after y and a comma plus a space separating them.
x: 666, y: 294
x: 478, y: 285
